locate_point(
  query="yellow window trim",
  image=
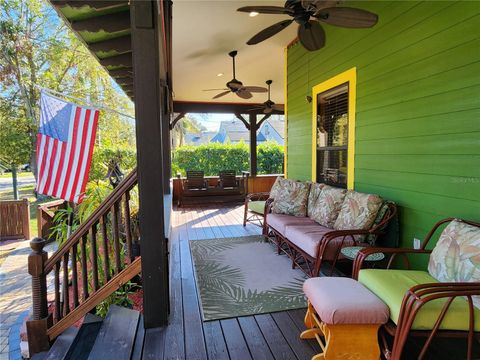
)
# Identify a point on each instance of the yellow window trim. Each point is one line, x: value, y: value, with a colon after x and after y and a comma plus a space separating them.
x: 285, y: 117
x: 350, y: 77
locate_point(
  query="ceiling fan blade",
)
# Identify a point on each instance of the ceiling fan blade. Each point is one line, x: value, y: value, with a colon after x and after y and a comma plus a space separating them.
x: 269, y: 32
x: 257, y: 89
x: 214, y: 89
x: 244, y: 94
x: 311, y: 35
x: 267, y: 110
x: 266, y: 10
x: 221, y: 94
x: 278, y: 107
x: 347, y: 17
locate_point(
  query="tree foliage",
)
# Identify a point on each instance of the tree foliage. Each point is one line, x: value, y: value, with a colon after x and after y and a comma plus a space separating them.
x: 213, y: 157
x: 38, y: 50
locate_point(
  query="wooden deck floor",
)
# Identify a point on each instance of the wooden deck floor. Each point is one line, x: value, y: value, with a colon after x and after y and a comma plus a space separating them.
x: 266, y: 336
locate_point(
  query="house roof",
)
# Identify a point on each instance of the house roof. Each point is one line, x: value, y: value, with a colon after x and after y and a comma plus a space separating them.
x: 277, y: 123
x: 198, y: 56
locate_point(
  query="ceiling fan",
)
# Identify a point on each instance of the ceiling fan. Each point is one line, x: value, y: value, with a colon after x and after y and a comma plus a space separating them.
x: 237, y: 87
x: 308, y: 13
x: 268, y: 106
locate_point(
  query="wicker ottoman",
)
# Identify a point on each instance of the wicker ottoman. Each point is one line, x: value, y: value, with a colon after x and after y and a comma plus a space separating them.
x: 344, y: 317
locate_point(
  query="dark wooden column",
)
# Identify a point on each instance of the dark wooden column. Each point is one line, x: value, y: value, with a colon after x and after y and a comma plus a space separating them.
x: 149, y: 113
x: 253, y: 144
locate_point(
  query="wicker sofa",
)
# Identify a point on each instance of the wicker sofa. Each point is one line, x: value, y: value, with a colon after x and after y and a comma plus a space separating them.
x: 312, y: 222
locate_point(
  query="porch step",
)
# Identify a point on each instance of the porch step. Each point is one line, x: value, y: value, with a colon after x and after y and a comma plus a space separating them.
x: 120, y: 337
x: 116, y: 338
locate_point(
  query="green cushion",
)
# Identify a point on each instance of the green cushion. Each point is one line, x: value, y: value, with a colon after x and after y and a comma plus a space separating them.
x: 391, y: 286
x: 256, y: 206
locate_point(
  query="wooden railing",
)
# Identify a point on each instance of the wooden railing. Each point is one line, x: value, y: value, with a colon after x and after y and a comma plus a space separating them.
x: 87, y: 268
x: 15, y: 223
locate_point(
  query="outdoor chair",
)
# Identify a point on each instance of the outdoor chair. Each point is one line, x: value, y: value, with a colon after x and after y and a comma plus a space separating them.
x: 193, y: 185
x: 443, y: 301
x: 228, y: 179
x: 256, y: 205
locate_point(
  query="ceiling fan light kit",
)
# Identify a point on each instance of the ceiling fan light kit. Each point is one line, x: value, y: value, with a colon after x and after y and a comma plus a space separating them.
x: 308, y: 14
x: 235, y: 86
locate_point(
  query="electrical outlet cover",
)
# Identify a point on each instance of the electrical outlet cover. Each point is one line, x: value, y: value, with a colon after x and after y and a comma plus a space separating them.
x: 416, y: 243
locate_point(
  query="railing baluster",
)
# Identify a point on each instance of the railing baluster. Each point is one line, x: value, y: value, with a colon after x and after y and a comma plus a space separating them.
x: 58, y: 312
x: 128, y: 230
x: 74, y: 276
x: 66, y: 297
x: 106, y: 259
x: 116, y: 240
x: 93, y: 254
x: 84, y: 267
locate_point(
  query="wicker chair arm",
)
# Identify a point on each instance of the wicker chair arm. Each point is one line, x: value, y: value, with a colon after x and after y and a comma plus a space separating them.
x: 259, y: 196
x: 418, y: 296
x: 268, y: 206
x: 364, y: 253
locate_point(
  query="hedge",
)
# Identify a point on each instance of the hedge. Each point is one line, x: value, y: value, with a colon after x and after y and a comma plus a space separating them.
x: 213, y: 157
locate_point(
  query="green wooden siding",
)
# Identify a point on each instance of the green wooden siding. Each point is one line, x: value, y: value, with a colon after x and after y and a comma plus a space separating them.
x: 418, y: 107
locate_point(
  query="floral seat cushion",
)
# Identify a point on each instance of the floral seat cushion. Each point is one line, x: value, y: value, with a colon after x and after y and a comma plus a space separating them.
x: 328, y: 205
x: 456, y: 256
x: 315, y: 190
x: 358, y: 211
x: 276, y: 187
x: 291, y: 198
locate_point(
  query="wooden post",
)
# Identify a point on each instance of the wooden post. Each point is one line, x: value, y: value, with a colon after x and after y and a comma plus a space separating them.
x: 37, y: 327
x: 253, y: 144
x: 148, y: 63
x: 26, y: 219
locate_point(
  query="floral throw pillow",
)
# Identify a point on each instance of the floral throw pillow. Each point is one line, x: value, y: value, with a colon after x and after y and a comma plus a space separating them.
x: 315, y: 190
x: 328, y: 205
x: 358, y: 211
x: 456, y: 256
x: 276, y: 187
x: 291, y: 198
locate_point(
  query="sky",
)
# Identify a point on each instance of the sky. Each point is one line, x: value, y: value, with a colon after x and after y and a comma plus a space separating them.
x: 212, y: 121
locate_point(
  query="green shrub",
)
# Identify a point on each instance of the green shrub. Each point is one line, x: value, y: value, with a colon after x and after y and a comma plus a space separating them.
x: 214, y: 157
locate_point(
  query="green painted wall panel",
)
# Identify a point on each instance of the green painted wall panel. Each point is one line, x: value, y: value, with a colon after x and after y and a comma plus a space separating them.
x: 418, y: 107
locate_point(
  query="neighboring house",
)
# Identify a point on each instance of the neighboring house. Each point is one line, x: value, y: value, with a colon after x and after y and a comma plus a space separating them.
x: 272, y: 129
x: 235, y: 131
x: 201, y: 138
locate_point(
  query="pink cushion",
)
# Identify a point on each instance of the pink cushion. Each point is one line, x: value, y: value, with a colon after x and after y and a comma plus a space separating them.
x: 280, y: 221
x: 307, y: 238
x: 339, y: 300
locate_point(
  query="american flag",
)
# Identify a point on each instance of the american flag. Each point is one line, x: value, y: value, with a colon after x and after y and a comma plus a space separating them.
x: 64, y: 148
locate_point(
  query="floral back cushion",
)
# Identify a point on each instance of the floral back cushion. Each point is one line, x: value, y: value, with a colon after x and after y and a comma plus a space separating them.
x: 291, y: 198
x: 328, y: 205
x: 456, y: 257
x: 359, y: 211
x: 315, y: 190
x: 276, y: 187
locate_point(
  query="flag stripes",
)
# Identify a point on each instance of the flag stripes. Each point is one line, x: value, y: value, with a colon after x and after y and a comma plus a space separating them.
x: 63, y: 166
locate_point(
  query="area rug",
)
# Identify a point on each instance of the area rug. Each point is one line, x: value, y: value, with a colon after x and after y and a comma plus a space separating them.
x: 244, y: 276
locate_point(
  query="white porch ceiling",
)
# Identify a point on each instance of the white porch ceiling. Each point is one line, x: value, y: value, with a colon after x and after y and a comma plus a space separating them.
x: 204, y: 31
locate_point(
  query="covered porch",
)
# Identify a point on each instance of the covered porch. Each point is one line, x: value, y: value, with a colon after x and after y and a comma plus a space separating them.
x: 409, y: 139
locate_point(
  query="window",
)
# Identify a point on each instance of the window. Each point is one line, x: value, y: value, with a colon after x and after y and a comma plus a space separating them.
x: 332, y: 136
x: 333, y: 130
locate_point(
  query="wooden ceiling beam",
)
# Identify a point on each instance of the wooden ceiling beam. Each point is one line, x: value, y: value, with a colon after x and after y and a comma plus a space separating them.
x: 97, y: 5
x: 122, y: 59
x: 109, y: 23
x: 120, y: 44
x: 211, y: 107
x: 121, y: 73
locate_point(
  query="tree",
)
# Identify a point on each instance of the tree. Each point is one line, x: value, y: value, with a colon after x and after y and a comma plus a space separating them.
x: 38, y: 50
x: 15, y: 148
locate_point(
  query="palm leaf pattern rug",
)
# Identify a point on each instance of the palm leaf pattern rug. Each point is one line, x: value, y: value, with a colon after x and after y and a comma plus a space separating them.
x: 244, y: 276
